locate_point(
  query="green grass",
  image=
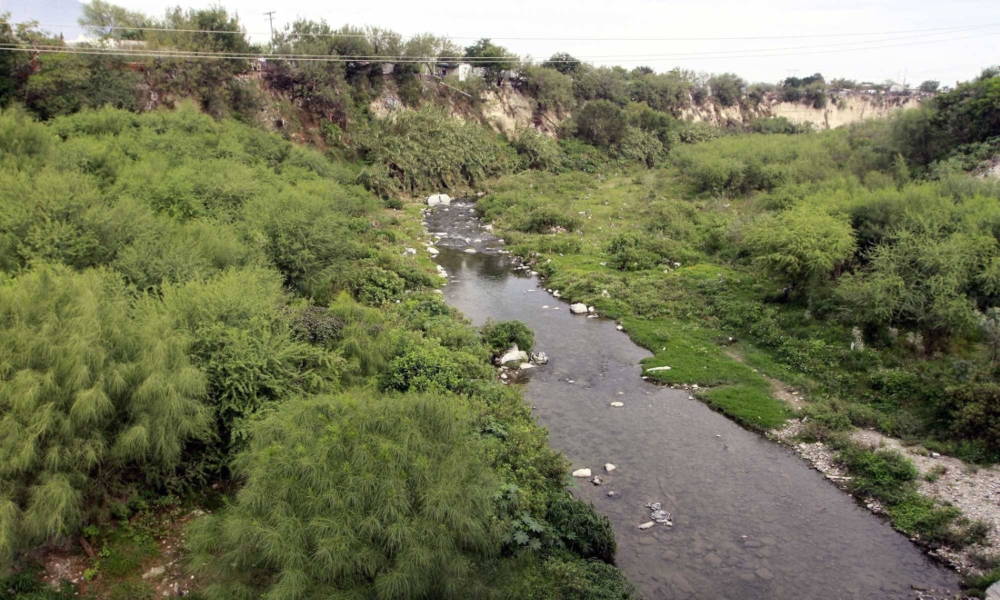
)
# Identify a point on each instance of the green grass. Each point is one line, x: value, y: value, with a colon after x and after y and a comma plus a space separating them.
x: 748, y: 405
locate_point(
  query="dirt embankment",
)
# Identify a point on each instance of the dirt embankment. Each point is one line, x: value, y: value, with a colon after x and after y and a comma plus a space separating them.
x: 843, y: 108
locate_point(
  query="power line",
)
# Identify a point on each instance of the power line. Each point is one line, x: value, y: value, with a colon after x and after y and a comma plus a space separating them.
x: 406, y: 60
x: 759, y: 52
x: 558, y: 39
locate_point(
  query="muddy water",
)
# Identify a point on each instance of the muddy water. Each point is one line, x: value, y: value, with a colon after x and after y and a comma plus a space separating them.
x: 751, y: 520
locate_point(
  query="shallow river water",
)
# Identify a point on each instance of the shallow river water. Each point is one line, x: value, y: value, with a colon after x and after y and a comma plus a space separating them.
x: 751, y: 519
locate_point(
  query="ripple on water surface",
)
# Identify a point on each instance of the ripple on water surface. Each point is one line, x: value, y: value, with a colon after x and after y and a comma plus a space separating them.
x: 751, y: 520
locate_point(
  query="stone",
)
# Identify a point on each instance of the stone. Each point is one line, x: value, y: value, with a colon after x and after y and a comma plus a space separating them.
x: 578, y: 309
x: 605, y: 294
x: 470, y: 250
x: 713, y: 559
x: 647, y: 525
x: 612, y: 493
x: 993, y: 592
x: 597, y: 480
x: 764, y: 574
x: 154, y: 572
x: 526, y: 365
x: 539, y: 358
x: 433, y: 251
x: 411, y: 251
x: 609, y: 467
x: 437, y: 199
x: 617, y: 404
x: 514, y: 355
x: 590, y: 309
x: 581, y: 473
x: 655, y: 369
x: 620, y: 328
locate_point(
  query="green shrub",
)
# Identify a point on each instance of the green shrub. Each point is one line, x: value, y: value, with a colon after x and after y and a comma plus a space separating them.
x: 579, y: 527
x: 357, y: 496
x: 432, y: 368
x: 109, y: 384
x: 243, y: 340
x: 975, y: 413
x: 499, y: 336
x: 629, y: 252
x: 536, y: 150
x: 601, y: 123
x: 803, y: 246
x: 428, y: 150
x: 886, y: 474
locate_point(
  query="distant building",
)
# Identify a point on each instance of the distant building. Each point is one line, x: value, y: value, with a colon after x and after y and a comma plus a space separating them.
x: 461, y: 70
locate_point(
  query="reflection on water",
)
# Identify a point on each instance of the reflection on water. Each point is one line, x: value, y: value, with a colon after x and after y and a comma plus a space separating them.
x: 751, y: 520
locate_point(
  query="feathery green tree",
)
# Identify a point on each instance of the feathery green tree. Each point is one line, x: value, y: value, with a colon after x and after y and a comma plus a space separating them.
x: 801, y: 245
x: 93, y: 392
x: 355, y: 497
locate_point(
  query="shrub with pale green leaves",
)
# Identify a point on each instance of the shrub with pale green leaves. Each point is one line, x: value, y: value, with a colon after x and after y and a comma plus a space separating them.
x: 802, y: 245
x: 94, y: 390
x: 355, y: 496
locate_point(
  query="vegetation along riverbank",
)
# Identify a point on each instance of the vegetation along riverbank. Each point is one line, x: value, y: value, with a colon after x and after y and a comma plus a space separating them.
x: 226, y: 370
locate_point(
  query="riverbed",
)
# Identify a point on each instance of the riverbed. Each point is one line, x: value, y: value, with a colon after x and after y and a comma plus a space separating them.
x: 750, y: 519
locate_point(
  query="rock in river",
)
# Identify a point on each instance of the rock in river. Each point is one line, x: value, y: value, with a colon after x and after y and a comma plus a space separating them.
x: 581, y: 473
x: 539, y: 358
x: 578, y: 309
x: 514, y: 355
x: 438, y: 199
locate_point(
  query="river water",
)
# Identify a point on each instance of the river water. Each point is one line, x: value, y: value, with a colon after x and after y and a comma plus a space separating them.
x: 751, y: 519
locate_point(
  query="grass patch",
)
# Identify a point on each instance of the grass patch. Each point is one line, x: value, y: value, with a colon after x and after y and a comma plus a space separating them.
x: 690, y: 352
x: 748, y: 405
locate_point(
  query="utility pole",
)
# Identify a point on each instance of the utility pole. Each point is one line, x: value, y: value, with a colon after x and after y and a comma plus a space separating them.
x: 270, y: 18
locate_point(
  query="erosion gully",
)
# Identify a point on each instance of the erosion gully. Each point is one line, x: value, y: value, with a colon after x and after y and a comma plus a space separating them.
x: 751, y: 520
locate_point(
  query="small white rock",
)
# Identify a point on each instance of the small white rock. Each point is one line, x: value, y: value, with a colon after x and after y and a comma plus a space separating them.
x: 609, y: 467
x: 578, y: 308
x: 620, y: 328
x: 581, y: 473
x: 618, y: 404
x: 647, y: 525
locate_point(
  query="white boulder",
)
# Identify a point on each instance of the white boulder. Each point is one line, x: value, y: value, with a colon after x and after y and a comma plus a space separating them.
x: 581, y: 473
x: 514, y: 355
x: 578, y: 309
x: 432, y: 251
x: 437, y: 199
x: 609, y: 467
x: 617, y: 404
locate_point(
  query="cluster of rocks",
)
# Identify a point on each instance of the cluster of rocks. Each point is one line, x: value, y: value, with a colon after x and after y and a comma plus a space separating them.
x: 657, y: 516
x: 586, y: 473
x: 521, y: 362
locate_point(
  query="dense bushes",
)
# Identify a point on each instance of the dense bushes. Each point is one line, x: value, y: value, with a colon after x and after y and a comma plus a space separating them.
x: 428, y: 150
x: 95, y: 393
x: 499, y: 337
x: 355, y: 495
x: 803, y: 246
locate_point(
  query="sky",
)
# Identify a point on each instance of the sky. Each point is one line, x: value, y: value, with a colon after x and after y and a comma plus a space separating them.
x: 915, y: 40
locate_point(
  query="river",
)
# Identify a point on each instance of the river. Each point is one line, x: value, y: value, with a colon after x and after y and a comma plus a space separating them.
x: 751, y: 519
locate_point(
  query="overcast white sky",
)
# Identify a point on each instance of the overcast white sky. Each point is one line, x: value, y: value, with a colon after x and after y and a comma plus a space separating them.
x: 946, y: 55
